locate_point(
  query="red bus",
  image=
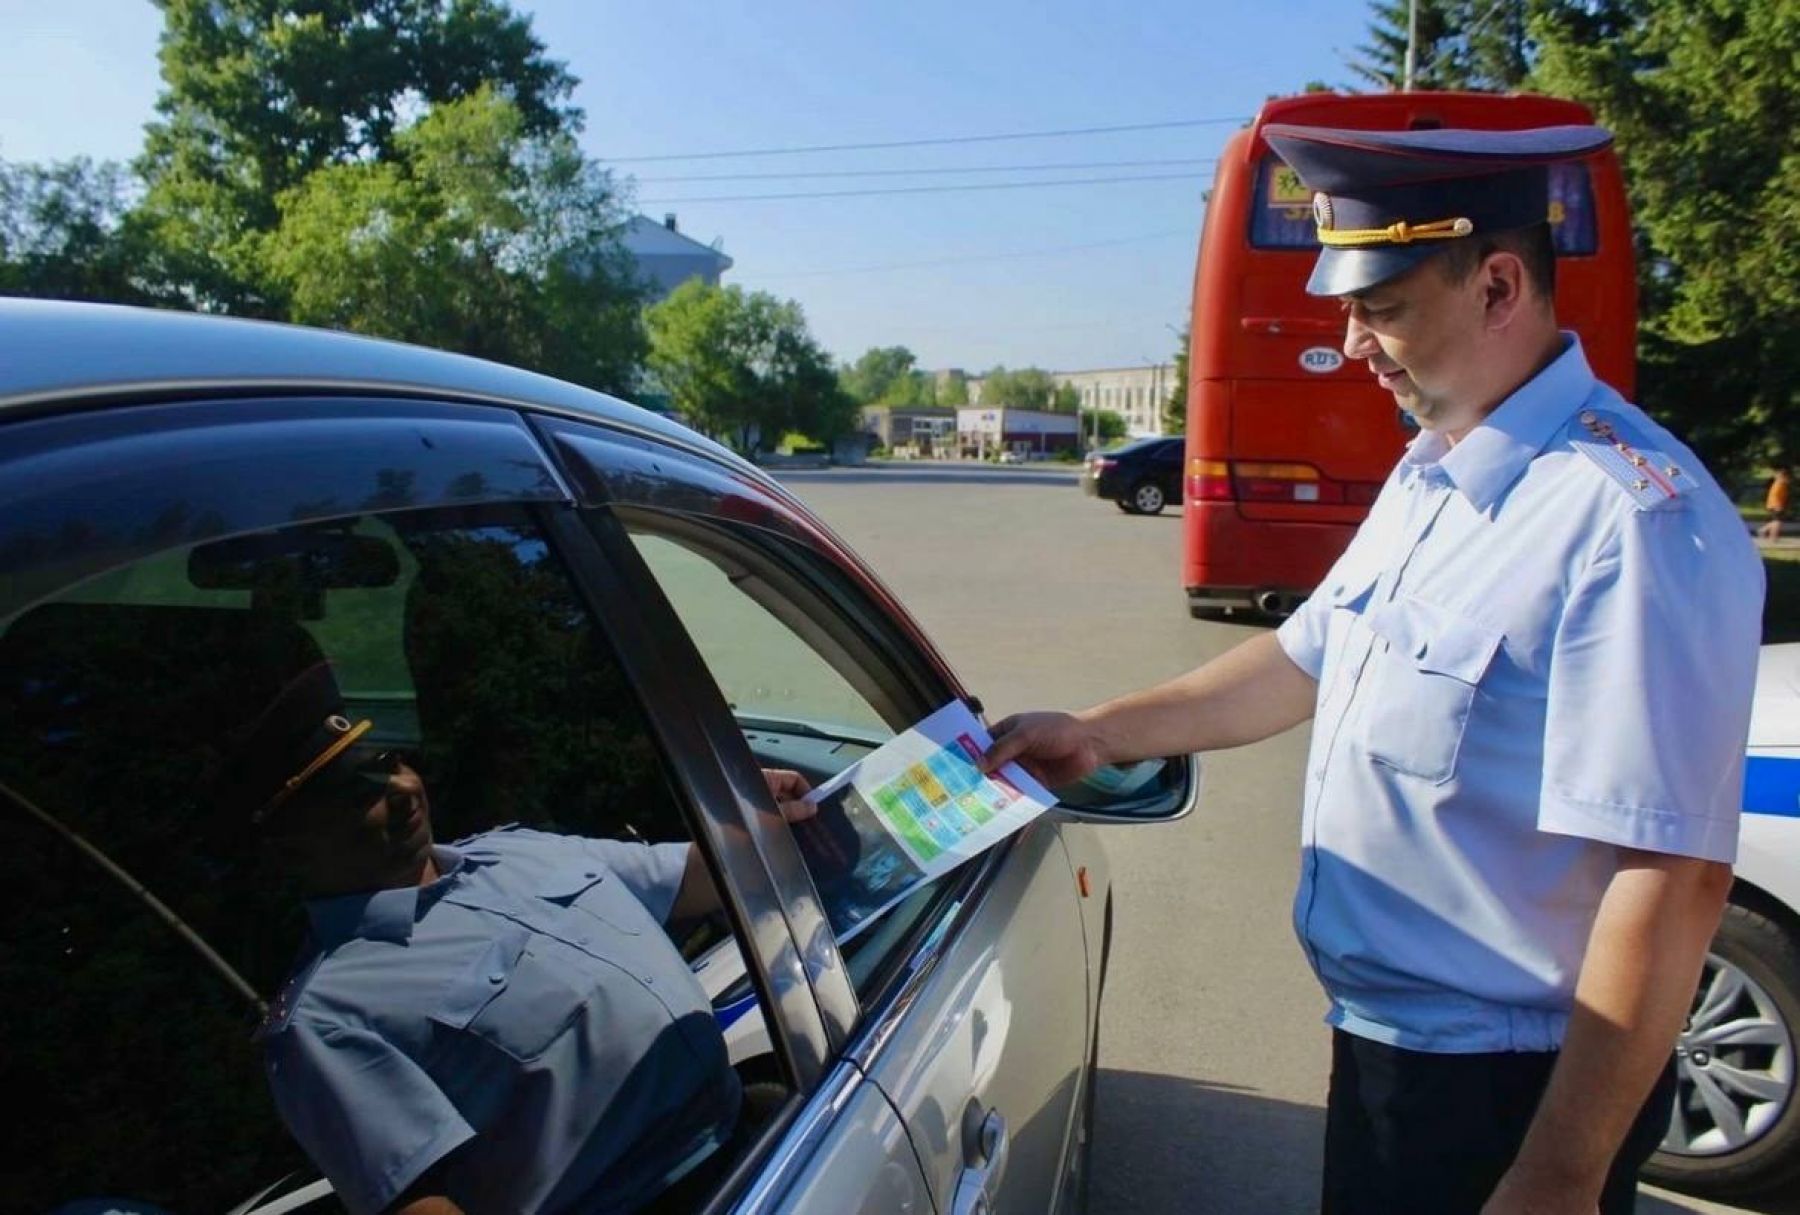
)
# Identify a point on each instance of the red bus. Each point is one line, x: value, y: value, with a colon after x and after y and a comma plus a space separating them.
x: 1287, y: 440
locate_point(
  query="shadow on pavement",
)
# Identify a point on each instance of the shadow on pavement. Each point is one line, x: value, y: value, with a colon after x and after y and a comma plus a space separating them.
x: 1170, y: 1145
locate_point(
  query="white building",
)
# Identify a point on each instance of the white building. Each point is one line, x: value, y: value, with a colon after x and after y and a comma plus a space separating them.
x: 981, y: 431
x: 666, y: 258
x: 1135, y: 393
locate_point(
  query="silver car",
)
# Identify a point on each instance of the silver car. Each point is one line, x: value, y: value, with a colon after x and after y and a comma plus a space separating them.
x: 575, y: 615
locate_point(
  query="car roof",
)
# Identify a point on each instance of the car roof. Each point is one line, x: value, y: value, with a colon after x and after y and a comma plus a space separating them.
x: 61, y: 353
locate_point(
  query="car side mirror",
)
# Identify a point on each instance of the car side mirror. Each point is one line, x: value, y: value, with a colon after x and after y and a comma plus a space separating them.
x: 1154, y: 791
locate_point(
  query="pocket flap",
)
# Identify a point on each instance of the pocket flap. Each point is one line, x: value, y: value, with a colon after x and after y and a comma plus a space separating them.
x: 567, y: 882
x: 1435, y: 639
x: 475, y: 988
x: 1349, y: 590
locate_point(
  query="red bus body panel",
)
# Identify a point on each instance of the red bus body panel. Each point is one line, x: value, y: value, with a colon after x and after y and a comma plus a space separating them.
x: 1267, y: 383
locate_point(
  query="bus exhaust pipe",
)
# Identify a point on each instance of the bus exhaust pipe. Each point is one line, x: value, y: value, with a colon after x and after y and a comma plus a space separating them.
x: 1276, y: 603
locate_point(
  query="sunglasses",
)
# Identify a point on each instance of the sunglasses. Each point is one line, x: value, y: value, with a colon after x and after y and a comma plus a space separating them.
x: 354, y: 777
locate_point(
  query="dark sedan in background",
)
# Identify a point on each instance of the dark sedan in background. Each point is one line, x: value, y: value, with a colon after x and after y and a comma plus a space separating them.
x: 1142, y: 477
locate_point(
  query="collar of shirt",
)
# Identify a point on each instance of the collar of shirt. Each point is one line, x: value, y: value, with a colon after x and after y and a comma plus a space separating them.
x: 384, y: 915
x: 1493, y: 455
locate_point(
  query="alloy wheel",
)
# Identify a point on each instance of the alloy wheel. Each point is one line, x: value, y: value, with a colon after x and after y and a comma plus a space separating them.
x: 1734, y: 1064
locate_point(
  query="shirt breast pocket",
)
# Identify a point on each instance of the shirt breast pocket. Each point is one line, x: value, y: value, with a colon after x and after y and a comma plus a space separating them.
x: 1426, y: 665
x: 511, y: 997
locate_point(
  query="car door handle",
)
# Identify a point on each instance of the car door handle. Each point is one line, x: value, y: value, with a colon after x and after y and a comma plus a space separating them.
x: 976, y: 1184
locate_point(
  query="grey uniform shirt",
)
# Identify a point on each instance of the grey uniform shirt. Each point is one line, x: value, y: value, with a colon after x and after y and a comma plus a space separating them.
x: 526, y: 1008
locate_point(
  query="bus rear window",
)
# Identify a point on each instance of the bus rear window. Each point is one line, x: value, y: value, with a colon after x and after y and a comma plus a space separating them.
x: 1572, y: 211
x: 1282, y: 218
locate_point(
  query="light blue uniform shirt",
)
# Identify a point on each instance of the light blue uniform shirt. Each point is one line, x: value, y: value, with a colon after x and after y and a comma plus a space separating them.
x: 526, y: 1007
x: 1539, y: 647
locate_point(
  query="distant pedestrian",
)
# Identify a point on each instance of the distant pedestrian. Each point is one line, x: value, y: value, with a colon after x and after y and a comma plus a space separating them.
x: 1776, y: 504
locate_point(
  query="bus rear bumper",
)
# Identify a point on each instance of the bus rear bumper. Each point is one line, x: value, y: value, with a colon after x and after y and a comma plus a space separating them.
x: 1266, y: 566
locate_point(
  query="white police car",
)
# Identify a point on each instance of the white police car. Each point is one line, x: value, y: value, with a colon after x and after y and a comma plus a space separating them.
x: 1736, y: 1124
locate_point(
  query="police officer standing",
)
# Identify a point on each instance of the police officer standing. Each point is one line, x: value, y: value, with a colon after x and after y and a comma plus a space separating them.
x: 1530, y: 678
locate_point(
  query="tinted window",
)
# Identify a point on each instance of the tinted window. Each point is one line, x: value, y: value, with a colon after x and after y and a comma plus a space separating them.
x: 1572, y: 220
x: 142, y: 926
x: 1281, y: 213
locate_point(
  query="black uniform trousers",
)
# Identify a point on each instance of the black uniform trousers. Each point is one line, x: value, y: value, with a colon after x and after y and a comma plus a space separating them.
x: 1411, y: 1133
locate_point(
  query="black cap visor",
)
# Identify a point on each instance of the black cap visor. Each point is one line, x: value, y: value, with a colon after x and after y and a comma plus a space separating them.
x: 1342, y: 271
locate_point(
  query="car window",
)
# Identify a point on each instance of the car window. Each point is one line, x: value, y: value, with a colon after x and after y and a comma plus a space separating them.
x: 806, y: 694
x: 159, y: 943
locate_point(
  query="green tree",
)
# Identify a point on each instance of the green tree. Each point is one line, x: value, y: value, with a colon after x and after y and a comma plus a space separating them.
x: 1026, y: 388
x: 1463, y: 44
x: 1702, y: 99
x: 741, y: 366
x: 1066, y: 398
x: 954, y: 391
x: 1104, y: 425
x: 259, y: 94
x: 878, y: 374
x: 62, y: 235
x: 474, y: 235
x: 1174, y: 410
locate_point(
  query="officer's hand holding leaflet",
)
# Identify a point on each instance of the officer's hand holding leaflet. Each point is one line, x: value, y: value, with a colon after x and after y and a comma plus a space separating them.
x: 502, y: 1023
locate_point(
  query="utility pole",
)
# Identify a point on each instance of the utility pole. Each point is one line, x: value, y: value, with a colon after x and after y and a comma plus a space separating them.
x: 1412, y: 44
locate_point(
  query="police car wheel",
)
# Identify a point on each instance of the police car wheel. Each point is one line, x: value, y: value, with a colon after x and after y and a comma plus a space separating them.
x: 1147, y: 498
x: 1735, y: 1128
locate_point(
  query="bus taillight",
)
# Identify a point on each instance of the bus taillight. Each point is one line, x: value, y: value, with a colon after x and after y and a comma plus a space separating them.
x: 1268, y: 481
x: 1264, y: 482
x: 1209, y: 481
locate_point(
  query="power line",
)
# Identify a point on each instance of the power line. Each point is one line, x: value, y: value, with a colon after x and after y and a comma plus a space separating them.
x: 923, y: 143
x: 990, y: 257
x: 1090, y: 164
x: 1000, y: 185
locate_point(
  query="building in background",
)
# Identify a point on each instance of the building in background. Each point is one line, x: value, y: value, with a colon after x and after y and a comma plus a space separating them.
x: 911, y: 430
x: 1031, y: 433
x: 666, y: 258
x: 1136, y: 394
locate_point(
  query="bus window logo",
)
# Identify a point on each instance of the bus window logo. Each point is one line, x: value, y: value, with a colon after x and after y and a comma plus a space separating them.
x: 1320, y: 360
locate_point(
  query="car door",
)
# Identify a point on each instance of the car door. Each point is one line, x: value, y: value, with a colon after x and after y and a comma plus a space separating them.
x: 1170, y: 456
x: 969, y: 1009
x: 168, y: 567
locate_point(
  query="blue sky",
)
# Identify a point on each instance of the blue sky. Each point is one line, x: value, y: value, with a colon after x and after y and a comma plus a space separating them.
x: 1062, y: 277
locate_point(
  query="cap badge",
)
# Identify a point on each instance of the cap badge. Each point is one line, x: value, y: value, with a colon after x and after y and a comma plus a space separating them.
x: 1322, y: 216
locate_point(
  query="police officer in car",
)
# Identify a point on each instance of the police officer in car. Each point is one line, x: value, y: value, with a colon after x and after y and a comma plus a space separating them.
x: 497, y: 1025
x: 1529, y: 677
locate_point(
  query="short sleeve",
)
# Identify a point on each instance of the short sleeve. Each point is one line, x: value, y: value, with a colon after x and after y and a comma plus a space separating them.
x: 368, y: 1116
x: 652, y: 872
x: 1651, y: 678
x: 1302, y: 635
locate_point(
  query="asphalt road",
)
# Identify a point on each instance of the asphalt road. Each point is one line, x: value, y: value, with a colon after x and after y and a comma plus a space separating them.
x: 1213, y: 1056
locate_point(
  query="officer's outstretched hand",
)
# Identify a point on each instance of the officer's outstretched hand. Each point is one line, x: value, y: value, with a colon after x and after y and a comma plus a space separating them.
x: 788, y: 787
x: 1057, y: 748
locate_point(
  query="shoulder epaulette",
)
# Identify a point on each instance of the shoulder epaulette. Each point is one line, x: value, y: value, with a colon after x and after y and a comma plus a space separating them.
x: 1648, y: 474
x: 281, y: 1010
